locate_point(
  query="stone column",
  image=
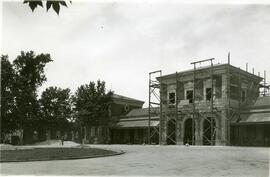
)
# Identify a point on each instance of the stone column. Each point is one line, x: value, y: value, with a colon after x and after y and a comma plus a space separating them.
x: 163, y: 130
x: 179, y: 132
x: 223, y: 128
x: 218, y: 131
x: 224, y: 87
x: 198, y: 135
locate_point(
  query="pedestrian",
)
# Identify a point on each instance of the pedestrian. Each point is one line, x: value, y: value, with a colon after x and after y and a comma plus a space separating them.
x: 62, y: 140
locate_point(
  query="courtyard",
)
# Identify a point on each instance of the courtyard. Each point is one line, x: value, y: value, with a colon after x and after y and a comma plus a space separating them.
x: 154, y: 160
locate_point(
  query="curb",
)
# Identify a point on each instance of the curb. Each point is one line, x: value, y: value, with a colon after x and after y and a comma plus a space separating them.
x: 65, y: 158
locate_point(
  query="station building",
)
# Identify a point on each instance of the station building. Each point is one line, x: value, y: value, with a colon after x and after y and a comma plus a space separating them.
x: 212, y: 105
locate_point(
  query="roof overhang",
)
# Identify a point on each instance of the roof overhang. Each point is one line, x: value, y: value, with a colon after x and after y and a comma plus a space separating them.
x: 217, y: 69
x: 142, y: 122
x: 252, y: 119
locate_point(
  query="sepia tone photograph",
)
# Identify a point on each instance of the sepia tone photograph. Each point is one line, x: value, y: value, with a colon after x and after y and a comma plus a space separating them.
x: 135, y: 88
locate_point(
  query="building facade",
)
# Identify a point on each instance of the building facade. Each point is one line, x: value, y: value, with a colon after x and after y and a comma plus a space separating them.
x: 199, y: 106
x: 120, y: 106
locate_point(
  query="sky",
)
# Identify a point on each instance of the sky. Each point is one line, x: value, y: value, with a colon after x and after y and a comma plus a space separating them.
x: 121, y: 42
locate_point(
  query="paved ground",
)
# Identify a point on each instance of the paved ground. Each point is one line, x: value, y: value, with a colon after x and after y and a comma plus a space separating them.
x: 156, y: 161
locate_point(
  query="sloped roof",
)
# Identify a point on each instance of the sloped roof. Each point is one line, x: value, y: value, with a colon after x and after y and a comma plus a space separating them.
x: 252, y: 118
x: 120, y: 99
x: 138, y: 118
x: 262, y: 101
x: 255, y: 118
x: 255, y: 114
x: 136, y: 124
x: 140, y: 112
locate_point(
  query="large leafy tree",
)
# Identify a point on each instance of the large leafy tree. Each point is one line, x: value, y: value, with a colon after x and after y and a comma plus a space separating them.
x: 56, y: 108
x: 91, y: 103
x: 29, y: 75
x: 8, y: 123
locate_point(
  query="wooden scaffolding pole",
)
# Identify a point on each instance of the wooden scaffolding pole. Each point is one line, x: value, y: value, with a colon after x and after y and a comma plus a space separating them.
x: 194, y: 99
x: 153, y: 85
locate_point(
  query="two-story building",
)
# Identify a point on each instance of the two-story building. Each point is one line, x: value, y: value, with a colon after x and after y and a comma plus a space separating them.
x: 200, y: 107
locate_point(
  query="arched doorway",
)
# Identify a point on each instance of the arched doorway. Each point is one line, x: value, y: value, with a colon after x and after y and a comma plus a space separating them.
x: 188, y: 131
x: 171, y: 131
x: 207, y: 131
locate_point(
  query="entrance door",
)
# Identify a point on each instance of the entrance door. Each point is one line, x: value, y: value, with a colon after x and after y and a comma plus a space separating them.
x: 188, y: 131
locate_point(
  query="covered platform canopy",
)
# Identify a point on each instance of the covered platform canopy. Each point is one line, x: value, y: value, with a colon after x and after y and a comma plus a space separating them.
x: 252, y: 127
x: 253, y: 118
x: 259, y: 113
x: 141, y: 122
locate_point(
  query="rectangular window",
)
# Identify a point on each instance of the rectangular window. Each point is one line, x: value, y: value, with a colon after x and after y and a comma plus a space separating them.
x: 208, y: 94
x: 189, y: 95
x: 172, y: 98
x: 243, y: 96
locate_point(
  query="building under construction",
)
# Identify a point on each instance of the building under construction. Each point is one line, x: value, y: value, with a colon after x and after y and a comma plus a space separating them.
x: 213, y: 105
x: 216, y: 104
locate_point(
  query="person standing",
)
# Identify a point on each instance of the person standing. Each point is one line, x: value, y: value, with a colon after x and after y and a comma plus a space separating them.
x: 62, y: 140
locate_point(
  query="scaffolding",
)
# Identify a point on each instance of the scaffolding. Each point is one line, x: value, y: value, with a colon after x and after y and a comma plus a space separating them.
x: 154, y: 104
x: 213, y: 116
x: 195, y: 112
x: 264, y: 86
x: 171, y: 121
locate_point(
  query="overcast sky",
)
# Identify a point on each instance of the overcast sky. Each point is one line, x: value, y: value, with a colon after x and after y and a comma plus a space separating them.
x: 121, y: 43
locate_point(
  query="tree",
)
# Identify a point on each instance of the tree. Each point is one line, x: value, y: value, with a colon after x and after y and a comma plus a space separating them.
x: 92, y: 103
x: 8, y: 123
x: 54, y: 4
x: 56, y: 108
x: 29, y: 75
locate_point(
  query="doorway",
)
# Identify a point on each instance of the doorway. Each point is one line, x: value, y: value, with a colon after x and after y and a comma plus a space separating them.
x: 188, y: 131
x: 208, y: 133
x: 171, y: 131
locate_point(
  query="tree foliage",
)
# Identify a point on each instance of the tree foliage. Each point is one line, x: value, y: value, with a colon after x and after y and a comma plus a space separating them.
x: 54, y: 4
x: 7, y: 96
x: 29, y: 75
x: 56, y: 108
x: 91, y: 103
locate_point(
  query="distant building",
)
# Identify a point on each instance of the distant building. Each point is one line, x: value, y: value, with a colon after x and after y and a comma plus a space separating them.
x: 120, y: 106
x: 132, y: 128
